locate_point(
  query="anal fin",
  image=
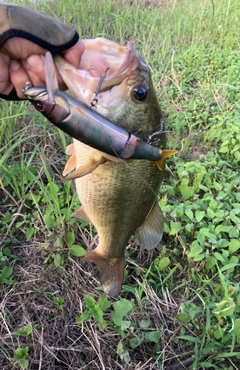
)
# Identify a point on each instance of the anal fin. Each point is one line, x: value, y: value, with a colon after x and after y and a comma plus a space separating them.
x: 150, y: 233
x: 111, y: 271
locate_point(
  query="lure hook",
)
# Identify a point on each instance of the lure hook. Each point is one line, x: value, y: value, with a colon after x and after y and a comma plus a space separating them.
x: 102, y: 78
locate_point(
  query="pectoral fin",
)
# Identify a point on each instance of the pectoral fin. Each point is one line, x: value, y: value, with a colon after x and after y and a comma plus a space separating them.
x: 70, y: 149
x: 85, y: 168
x: 111, y: 271
x: 150, y: 233
x: 81, y: 214
x: 70, y: 165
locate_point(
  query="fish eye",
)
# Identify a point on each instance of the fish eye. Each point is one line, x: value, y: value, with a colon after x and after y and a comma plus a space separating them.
x: 39, y: 106
x: 140, y: 93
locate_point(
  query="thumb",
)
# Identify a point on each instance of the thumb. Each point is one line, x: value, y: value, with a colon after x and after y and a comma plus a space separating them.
x: 35, y: 68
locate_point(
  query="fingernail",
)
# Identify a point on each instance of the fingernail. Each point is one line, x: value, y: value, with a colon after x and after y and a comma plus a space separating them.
x: 14, y: 65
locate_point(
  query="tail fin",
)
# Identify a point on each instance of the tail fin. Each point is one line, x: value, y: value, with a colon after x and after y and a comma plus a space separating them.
x: 111, y: 271
x: 165, y: 153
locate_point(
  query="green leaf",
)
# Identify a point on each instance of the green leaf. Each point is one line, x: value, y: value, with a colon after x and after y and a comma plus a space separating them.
x: 163, y: 263
x: 70, y: 238
x: 185, y: 190
x: 210, y: 365
x: 121, y: 309
x: 6, y: 273
x: 217, y: 186
x: 102, y: 324
x: 135, y: 342
x: 224, y: 308
x: 195, y: 250
x: 234, y: 245
x: 233, y: 233
x: 237, y: 329
x: 49, y: 221
x: 234, y: 218
x: 223, y: 149
x: 219, y: 257
x: 210, y: 213
x: 86, y: 315
x: 29, y: 233
x: 189, y: 338
x: 123, y: 353
x: 24, y: 363
x: 25, y: 331
x: 223, y: 229
x: 58, y: 259
x: 153, y: 336
x: 125, y: 324
x: 218, y: 333
x: 7, y: 252
x: 144, y: 324
x: 103, y: 302
x: 210, y: 262
x: 20, y: 353
x: 90, y: 302
x: 77, y: 250
x: 199, y: 215
x: 228, y: 266
x: 229, y: 354
x: 189, y: 213
x: 175, y: 227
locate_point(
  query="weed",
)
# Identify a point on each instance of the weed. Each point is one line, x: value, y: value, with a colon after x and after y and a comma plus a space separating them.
x: 179, y: 304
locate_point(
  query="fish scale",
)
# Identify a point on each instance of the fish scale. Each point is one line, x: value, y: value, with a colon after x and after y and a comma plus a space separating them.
x: 118, y: 197
x: 107, y: 190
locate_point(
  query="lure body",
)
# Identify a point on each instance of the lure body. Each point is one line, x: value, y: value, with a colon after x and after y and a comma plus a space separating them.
x: 91, y: 128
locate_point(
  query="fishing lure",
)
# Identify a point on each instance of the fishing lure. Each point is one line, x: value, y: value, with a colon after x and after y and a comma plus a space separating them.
x: 84, y: 124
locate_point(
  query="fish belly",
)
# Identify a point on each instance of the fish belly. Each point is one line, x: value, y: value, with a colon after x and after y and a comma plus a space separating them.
x: 116, y: 197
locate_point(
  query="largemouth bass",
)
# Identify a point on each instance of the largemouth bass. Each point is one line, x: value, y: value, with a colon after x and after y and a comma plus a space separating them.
x: 118, y: 197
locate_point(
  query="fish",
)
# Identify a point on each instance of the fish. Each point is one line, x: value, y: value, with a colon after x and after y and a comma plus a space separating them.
x: 120, y: 198
x: 82, y: 123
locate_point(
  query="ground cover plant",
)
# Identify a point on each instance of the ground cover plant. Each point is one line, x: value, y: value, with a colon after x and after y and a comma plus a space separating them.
x: 180, y: 304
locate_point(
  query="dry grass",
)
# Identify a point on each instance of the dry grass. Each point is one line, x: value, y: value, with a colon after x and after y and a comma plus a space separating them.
x: 56, y: 342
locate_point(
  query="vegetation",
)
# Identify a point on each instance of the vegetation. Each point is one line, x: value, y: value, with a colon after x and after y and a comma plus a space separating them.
x: 180, y: 304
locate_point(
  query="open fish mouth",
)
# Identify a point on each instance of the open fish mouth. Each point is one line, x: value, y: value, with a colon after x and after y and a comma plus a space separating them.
x: 105, y: 67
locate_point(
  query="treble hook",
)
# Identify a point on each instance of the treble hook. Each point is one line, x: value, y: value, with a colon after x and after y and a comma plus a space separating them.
x: 102, y: 78
x: 160, y: 131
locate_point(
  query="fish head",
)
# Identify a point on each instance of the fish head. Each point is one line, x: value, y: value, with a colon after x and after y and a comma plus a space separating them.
x: 117, y: 82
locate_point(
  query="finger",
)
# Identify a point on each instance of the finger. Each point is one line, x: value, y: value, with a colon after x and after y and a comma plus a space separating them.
x: 6, y: 85
x: 18, y: 77
x: 73, y: 55
x: 35, y: 69
x: 18, y: 48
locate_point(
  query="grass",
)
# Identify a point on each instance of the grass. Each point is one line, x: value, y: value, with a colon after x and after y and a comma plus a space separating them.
x: 180, y: 304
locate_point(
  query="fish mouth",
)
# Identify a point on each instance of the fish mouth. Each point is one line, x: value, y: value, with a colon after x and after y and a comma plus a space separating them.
x: 105, y: 67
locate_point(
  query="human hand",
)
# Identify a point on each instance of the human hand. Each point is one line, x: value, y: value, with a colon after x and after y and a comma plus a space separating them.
x: 22, y: 61
x: 25, y: 36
